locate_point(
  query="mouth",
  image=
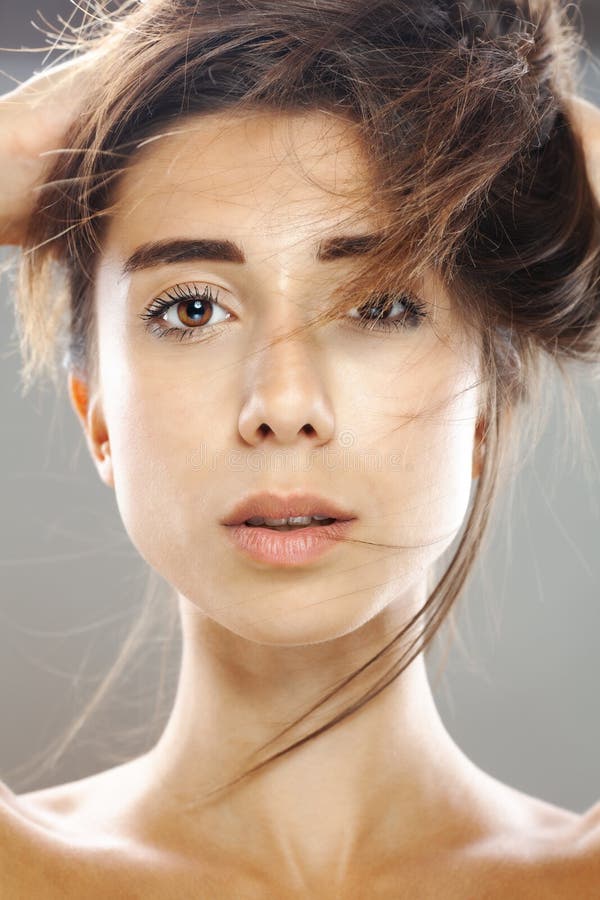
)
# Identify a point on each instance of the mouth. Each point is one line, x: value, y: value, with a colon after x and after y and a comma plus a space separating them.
x: 287, y: 512
x: 293, y: 523
x: 287, y: 530
x: 289, y: 544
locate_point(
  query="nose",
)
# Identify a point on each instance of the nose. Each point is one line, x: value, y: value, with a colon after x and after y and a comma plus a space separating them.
x: 287, y: 396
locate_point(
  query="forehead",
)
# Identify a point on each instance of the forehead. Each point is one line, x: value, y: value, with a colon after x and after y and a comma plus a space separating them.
x: 257, y: 173
x: 274, y: 184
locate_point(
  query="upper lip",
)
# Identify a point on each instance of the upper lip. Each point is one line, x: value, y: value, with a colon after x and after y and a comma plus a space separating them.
x: 282, y: 506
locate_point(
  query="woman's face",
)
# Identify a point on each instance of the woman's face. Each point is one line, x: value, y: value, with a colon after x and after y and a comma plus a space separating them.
x: 393, y: 413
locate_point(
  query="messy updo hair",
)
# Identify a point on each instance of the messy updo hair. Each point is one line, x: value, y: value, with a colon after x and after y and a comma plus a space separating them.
x: 460, y: 108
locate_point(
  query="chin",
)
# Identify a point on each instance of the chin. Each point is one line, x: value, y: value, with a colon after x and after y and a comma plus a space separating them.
x: 299, y: 613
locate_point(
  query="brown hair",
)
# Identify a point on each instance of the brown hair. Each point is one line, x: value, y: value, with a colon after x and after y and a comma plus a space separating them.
x: 461, y: 109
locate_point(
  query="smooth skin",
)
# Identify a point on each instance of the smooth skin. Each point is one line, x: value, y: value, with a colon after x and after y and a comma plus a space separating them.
x: 385, y: 802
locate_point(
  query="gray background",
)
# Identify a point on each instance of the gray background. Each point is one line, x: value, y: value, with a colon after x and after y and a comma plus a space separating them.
x: 521, y: 698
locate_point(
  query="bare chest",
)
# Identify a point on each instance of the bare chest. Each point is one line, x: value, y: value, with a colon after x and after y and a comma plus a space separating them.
x: 111, y: 864
x: 103, y: 873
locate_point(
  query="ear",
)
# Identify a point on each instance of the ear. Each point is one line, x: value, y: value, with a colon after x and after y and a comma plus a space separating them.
x: 90, y: 414
x: 479, y: 448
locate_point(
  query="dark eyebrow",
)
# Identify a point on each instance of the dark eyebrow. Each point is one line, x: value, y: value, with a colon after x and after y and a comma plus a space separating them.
x: 159, y: 253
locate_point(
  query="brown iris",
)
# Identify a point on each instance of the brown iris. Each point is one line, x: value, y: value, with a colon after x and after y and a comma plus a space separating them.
x: 196, y: 311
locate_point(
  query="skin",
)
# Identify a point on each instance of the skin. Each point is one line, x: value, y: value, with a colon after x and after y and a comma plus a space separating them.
x: 33, y: 119
x: 262, y: 644
x: 586, y: 119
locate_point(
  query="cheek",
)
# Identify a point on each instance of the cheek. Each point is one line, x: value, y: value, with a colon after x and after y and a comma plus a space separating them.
x: 444, y: 468
x: 157, y: 422
x: 425, y: 486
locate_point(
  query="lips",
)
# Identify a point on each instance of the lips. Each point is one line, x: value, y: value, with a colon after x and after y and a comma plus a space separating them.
x: 279, y: 506
x: 285, y: 549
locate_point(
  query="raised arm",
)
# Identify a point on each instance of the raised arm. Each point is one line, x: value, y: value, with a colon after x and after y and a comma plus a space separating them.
x: 33, y: 119
x: 586, y: 118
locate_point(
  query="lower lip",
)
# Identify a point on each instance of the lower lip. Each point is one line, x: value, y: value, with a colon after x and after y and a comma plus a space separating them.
x: 288, y: 548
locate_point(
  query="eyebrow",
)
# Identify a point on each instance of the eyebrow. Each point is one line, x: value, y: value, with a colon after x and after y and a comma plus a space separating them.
x: 159, y: 253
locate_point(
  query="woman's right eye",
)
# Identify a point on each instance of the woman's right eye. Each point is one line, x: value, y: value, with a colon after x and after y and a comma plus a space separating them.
x: 190, y: 310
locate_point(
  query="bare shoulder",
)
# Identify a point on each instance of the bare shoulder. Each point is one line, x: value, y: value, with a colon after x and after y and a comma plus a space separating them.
x: 72, y: 840
x: 552, y: 853
x: 87, y: 798
x: 574, y: 869
x: 588, y: 839
x: 21, y: 842
x: 15, y: 831
x: 44, y: 852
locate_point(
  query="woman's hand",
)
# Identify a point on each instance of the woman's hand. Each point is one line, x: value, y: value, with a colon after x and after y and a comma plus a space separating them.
x: 33, y: 119
x: 586, y: 118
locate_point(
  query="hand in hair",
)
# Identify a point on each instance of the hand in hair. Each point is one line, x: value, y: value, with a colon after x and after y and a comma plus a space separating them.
x: 586, y: 119
x: 33, y: 120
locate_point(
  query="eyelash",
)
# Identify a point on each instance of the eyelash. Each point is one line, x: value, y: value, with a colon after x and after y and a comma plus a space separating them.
x: 415, y: 312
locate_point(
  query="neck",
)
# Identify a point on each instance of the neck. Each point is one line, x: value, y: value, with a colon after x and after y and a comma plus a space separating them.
x: 381, y: 777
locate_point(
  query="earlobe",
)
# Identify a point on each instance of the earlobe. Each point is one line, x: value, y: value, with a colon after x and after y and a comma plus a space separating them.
x: 104, y: 464
x: 90, y: 414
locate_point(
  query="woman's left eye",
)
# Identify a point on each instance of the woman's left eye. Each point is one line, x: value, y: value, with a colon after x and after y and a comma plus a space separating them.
x: 384, y: 312
x: 192, y: 310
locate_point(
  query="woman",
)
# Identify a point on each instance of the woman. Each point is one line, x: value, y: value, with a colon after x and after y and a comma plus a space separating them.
x: 313, y: 257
